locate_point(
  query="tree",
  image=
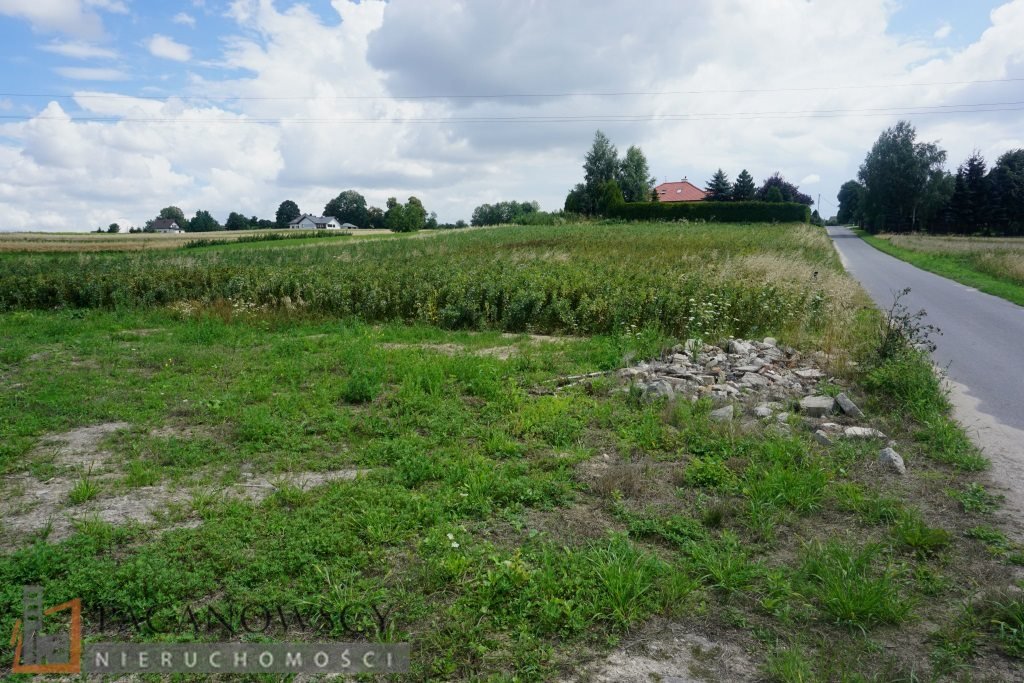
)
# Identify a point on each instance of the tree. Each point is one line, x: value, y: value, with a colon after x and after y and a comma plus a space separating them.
x: 349, y: 207
x: 851, y: 196
x: 718, y: 189
x: 744, y: 189
x: 788, y: 191
x: 579, y: 201
x: 773, y: 195
x: 1006, y: 187
x: 375, y: 218
x: 602, y: 162
x: 608, y: 195
x: 896, y: 174
x: 175, y: 214
x: 237, y: 221
x: 113, y: 228
x: 286, y: 213
x: 203, y: 222
x: 415, y: 214
x: 970, y: 200
x: 634, y: 176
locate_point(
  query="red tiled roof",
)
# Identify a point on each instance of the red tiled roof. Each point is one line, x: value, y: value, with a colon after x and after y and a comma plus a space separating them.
x: 683, y: 191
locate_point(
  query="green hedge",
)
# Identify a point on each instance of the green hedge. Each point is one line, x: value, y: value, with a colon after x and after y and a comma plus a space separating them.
x: 720, y: 212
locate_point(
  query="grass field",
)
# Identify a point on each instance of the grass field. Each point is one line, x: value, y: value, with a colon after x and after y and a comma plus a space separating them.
x: 380, y: 424
x: 20, y: 242
x: 994, y: 265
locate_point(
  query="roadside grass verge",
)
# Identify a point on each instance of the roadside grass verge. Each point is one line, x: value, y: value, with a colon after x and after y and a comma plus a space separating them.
x: 964, y: 268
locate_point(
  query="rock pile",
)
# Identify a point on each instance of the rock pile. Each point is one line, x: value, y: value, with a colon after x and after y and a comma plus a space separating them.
x: 743, y: 369
x: 756, y: 378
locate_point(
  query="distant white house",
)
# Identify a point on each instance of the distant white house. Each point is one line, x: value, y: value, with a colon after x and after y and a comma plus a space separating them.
x: 166, y: 225
x: 308, y: 222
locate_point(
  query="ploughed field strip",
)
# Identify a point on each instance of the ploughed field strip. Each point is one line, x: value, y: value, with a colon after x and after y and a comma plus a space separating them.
x: 603, y: 452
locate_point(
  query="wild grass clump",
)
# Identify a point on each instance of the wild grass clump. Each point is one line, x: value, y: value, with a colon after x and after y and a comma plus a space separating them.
x: 852, y: 586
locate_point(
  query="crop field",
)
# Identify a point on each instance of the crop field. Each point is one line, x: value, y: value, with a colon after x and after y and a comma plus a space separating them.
x: 92, y: 242
x: 429, y: 436
x: 992, y: 264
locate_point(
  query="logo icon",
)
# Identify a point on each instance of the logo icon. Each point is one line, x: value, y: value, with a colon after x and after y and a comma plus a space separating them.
x: 38, y: 652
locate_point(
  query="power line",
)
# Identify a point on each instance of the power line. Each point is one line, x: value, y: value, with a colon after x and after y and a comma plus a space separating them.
x: 933, y: 110
x: 494, y: 96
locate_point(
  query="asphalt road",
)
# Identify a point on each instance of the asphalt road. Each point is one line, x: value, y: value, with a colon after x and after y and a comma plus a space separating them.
x: 981, y: 348
x: 982, y: 341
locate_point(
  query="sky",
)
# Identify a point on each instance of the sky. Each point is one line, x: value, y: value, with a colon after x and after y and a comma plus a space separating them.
x: 113, y: 109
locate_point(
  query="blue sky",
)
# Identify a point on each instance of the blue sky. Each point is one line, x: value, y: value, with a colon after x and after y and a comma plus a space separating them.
x: 249, y: 154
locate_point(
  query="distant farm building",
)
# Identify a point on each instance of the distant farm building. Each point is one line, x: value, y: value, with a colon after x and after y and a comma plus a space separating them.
x: 308, y: 222
x: 682, y: 191
x: 166, y: 225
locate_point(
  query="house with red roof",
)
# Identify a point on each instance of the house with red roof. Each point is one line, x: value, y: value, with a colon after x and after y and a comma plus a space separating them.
x: 683, y: 191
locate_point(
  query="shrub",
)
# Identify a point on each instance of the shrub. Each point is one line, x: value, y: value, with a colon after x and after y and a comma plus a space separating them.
x: 721, y: 212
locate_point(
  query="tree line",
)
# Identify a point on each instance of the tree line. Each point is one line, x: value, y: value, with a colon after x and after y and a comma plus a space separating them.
x: 903, y: 185
x: 348, y: 207
x: 609, y: 180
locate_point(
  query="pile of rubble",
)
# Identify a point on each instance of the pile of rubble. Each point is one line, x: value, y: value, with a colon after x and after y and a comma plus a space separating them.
x: 760, y: 379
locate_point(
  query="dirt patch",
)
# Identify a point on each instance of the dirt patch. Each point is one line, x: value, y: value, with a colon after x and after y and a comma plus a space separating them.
x: 259, y: 488
x: 499, y: 352
x: 80, y: 447
x: 677, y: 656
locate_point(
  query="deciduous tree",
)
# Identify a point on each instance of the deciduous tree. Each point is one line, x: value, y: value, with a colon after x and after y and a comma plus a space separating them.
x: 349, y: 207
x: 635, y: 177
x: 286, y: 213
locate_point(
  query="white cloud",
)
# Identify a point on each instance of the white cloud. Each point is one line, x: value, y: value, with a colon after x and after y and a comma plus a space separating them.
x: 113, y: 6
x: 943, y: 31
x: 85, y: 73
x: 184, y: 19
x: 77, y: 49
x: 167, y: 48
x: 200, y: 155
x: 64, y: 16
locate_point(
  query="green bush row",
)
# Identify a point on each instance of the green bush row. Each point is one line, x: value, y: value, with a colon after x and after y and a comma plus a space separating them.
x: 721, y: 212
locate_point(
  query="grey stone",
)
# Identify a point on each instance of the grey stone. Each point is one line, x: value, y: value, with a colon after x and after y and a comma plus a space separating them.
x: 748, y: 368
x: 659, y: 389
x: 862, y: 433
x: 817, y: 406
x: 754, y: 380
x: 739, y: 347
x: 809, y: 373
x: 891, y: 460
x: 822, y: 438
x: 770, y: 341
x: 782, y: 418
x: 723, y: 414
x: 848, y: 406
x: 762, y: 410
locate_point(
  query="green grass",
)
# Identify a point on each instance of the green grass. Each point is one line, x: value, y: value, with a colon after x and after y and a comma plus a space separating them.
x: 515, y: 532
x: 590, y: 279
x: 960, y: 268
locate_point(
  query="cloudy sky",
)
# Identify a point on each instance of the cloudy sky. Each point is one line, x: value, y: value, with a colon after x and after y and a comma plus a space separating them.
x: 112, y: 109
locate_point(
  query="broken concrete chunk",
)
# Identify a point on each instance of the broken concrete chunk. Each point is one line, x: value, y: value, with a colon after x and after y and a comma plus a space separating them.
x: 822, y: 438
x: 817, y: 406
x: 848, y: 406
x: 809, y: 373
x: 862, y: 433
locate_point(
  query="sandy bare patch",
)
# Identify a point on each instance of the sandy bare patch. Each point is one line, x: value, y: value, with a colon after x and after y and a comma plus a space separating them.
x: 259, y: 488
x: 80, y: 447
x: 675, y: 657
